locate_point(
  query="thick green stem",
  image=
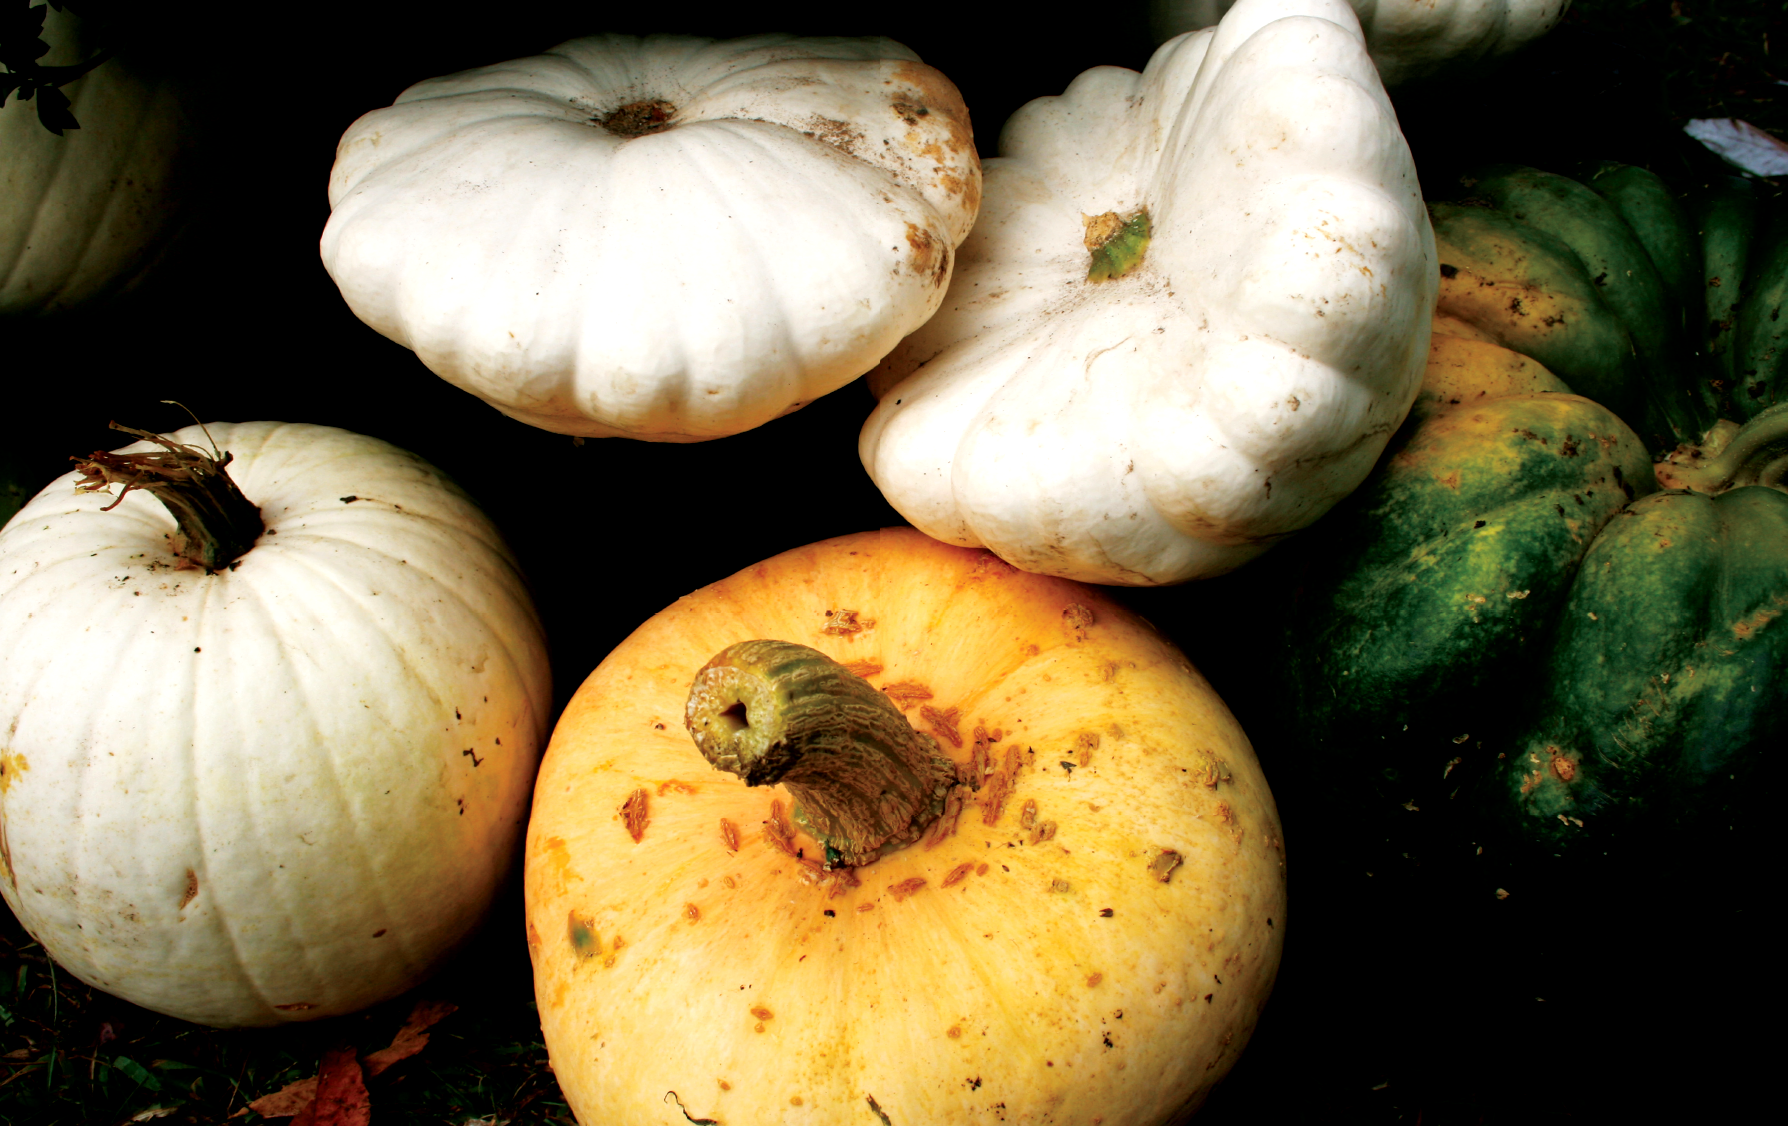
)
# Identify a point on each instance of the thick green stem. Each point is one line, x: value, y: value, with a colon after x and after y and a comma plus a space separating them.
x: 1731, y: 456
x: 865, y: 782
x: 214, y: 524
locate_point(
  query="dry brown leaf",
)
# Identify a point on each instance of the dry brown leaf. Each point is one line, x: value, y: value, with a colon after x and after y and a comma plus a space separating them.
x: 410, y: 1039
x: 285, y: 1102
x: 341, y: 1093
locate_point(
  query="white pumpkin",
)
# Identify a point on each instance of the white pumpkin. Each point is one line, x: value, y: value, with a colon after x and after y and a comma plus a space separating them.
x: 666, y: 238
x: 284, y: 790
x: 84, y: 213
x: 1193, y: 310
x: 1409, y: 39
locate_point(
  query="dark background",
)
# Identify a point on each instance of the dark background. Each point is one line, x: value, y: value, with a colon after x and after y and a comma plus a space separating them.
x: 1399, y: 1000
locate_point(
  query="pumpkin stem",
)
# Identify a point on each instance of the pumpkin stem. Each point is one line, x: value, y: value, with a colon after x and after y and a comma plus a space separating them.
x: 1730, y: 456
x: 865, y: 782
x: 214, y: 524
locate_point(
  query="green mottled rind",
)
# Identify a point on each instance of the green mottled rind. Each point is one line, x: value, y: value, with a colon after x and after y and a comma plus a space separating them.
x: 1445, y: 571
x: 1118, y: 255
x: 1665, y: 687
x: 1675, y: 408
x: 1545, y: 306
x: 1667, y: 232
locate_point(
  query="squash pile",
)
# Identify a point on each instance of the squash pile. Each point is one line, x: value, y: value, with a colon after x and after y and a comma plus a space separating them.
x: 1516, y: 632
x: 907, y: 825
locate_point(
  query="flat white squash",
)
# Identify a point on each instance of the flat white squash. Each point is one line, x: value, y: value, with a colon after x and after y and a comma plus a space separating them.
x: 1409, y: 39
x: 665, y: 238
x: 1195, y: 306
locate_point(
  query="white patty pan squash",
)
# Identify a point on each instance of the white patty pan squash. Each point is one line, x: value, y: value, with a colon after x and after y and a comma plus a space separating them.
x: 1193, y: 310
x: 85, y: 213
x: 285, y: 789
x: 1409, y: 39
x: 886, y: 830
x: 667, y: 238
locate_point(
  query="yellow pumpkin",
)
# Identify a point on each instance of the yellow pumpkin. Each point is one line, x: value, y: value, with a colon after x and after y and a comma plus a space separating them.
x: 1084, y: 927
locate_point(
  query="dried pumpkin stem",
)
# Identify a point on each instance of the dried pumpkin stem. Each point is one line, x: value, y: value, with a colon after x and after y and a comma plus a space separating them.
x: 214, y: 524
x: 865, y: 782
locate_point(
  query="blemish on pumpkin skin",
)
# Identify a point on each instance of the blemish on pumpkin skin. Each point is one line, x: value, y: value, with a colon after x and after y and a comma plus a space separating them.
x: 942, y: 722
x: 907, y: 887
x: 12, y: 764
x: 633, y: 814
x: 583, y: 936
x: 192, y: 889
x: 907, y: 693
x: 1078, y: 620
x: 846, y: 624
x: 866, y: 669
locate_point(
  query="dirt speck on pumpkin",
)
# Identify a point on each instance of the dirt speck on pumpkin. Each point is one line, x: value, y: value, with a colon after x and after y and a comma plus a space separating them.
x: 1077, y: 620
x: 637, y: 119
x: 942, y: 722
x: 907, y: 693
x: 1165, y: 864
x: 778, y: 832
x: 1000, y: 784
x: 633, y: 814
x: 946, y: 824
x: 846, y: 623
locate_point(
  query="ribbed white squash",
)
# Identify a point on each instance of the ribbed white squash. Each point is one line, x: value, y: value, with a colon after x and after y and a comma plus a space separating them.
x: 283, y: 791
x: 787, y: 222
x: 1176, y: 421
x: 1409, y: 39
x: 85, y: 212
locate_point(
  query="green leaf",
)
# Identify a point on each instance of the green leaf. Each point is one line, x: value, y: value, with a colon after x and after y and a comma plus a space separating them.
x: 138, y: 1072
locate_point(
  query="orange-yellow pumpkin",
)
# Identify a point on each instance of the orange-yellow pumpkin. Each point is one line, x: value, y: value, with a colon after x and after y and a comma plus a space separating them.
x: 1087, y: 933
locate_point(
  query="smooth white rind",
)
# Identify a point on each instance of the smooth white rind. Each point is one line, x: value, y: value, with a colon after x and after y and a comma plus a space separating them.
x: 772, y: 245
x: 1409, y: 39
x: 247, y: 798
x: 1173, y: 423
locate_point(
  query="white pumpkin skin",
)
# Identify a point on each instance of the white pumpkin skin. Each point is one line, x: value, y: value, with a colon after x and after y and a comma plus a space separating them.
x: 84, y: 213
x: 284, y: 791
x: 1410, y: 40
x: 778, y: 237
x: 1176, y: 421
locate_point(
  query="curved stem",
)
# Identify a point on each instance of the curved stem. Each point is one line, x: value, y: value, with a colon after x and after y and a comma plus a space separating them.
x: 865, y: 782
x: 214, y: 524
x: 1718, y: 465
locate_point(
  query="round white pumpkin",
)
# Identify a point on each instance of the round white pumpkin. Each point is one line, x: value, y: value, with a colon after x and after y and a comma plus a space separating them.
x: 1409, y: 39
x: 666, y: 238
x: 1195, y: 306
x: 85, y: 212
x: 283, y: 791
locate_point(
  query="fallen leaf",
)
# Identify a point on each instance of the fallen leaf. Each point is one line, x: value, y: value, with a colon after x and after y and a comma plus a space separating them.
x: 1742, y: 144
x: 410, y: 1039
x: 154, y: 1112
x: 341, y: 1093
x: 285, y: 1102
